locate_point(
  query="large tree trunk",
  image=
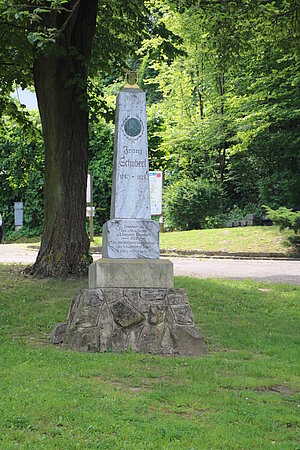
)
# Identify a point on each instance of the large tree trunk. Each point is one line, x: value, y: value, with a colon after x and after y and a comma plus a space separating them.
x: 60, y: 83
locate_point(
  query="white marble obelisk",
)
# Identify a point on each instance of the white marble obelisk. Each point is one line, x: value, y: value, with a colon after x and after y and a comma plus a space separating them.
x: 130, y: 187
x: 130, y: 232
x: 131, y: 301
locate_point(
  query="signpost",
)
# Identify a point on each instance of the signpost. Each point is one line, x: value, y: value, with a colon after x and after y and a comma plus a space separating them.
x: 1, y: 229
x: 90, y: 210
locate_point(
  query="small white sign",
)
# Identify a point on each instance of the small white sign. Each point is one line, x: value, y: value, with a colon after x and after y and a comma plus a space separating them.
x: 156, y: 184
x: 90, y: 211
x: 89, y: 189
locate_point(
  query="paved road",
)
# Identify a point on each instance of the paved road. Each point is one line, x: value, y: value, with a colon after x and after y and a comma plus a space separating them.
x: 261, y: 270
x: 275, y: 271
x: 17, y: 254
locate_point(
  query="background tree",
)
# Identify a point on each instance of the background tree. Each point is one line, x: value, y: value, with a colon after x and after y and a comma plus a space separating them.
x: 61, y: 35
x: 60, y: 79
x: 230, y: 100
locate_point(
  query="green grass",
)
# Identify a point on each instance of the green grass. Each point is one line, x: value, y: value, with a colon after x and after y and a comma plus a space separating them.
x: 241, y: 239
x: 244, y: 395
x: 227, y: 240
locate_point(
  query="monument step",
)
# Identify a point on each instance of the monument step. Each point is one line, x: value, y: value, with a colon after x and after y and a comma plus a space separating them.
x: 131, y: 273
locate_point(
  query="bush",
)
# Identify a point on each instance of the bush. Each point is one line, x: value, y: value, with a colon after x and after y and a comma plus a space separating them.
x: 22, y: 172
x: 285, y: 218
x: 24, y: 232
x: 192, y: 204
x: 101, y: 151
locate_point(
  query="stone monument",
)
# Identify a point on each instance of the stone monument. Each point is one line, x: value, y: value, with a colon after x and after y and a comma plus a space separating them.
x: 131, y: 302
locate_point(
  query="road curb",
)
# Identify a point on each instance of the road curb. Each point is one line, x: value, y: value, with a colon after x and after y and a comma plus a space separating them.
x: 172, y: 253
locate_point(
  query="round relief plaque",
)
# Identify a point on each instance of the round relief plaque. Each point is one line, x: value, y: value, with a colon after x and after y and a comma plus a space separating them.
x: 132, y: 127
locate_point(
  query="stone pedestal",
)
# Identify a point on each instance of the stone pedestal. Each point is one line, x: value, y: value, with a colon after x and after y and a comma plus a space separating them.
x: 142, y: 320
x: 131, y: 273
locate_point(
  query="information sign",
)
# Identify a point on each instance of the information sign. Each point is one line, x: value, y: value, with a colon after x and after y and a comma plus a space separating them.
x: 156, y: 184
x: 18, y: 214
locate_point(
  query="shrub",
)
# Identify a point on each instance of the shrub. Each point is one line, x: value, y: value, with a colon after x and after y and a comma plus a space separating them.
x: 192, y: 204
x: 24, y: 232
x: 21, y: 171
x: 101, y: 151
x: 285, y: 218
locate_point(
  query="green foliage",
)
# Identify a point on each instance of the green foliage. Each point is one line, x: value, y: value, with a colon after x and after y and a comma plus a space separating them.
x: 155, y: 124
x: 25, y: 232
x: 285, y: 218
x: 221, y: 80
x: 191, y: 204
x: 101, y: 165
x: 230, y: 102
x: 265, y: 163
x: 22, y: 172
x: 236, y: 213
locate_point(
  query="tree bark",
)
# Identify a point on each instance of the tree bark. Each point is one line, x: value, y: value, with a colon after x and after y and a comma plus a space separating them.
x: 60, y: 82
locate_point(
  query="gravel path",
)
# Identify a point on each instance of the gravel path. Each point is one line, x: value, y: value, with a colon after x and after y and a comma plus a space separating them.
x: 281, y: 271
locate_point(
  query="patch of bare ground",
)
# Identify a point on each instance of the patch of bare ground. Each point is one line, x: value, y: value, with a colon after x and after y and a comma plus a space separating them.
x: 144, y: 383
x: 217, y: 348
x: 118, y: 384
x: 31, y: 339
x: 278, y: 389
x: 159, y: 380
x: 185, y: 413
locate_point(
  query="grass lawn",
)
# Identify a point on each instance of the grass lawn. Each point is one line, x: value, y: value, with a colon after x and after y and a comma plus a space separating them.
x: 243, y: 395
x: 240, y: 239
x: 227, y: 240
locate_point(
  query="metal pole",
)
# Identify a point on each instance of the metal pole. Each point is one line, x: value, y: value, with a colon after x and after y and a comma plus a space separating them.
x: 161, y: 219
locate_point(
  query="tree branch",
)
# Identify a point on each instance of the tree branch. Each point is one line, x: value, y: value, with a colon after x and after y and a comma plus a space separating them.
x: 72, y: 12
x: 48, y: 8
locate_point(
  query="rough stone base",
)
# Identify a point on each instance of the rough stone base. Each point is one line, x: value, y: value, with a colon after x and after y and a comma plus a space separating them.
x: 158, y: 321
